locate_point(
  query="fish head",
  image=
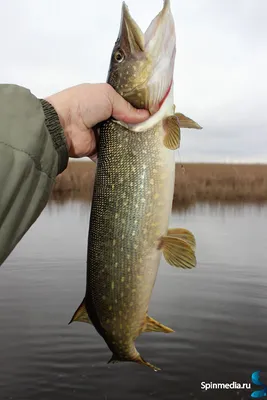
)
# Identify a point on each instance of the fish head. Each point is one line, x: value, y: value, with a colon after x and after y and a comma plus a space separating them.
x: 142, y: 64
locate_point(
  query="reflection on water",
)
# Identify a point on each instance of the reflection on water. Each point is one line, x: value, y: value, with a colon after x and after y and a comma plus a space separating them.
x: 218, y: 312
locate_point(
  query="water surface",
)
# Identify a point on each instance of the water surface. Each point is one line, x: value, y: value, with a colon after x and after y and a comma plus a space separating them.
x: 218, y: 312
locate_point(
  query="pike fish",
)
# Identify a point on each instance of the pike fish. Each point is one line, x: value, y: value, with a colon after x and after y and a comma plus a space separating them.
x: 133, y: 191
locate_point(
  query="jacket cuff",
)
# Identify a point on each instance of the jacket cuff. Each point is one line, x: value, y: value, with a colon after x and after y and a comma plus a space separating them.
x: 57, y: 134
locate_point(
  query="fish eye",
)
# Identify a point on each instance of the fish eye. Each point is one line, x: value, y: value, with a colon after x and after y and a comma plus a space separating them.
x: 119, y: 56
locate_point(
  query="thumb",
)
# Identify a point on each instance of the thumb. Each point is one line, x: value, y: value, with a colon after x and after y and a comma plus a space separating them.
x: 124, y: 111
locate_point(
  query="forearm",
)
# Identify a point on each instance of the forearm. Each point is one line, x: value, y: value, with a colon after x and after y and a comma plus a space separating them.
x: 33, y: 151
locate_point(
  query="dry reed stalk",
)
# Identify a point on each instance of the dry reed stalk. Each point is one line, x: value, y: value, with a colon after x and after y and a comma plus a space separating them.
x: 193, y: 183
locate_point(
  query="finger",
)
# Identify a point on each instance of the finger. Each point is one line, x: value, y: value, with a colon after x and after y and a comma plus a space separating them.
x: 93, y: 157
x: 124, y: 111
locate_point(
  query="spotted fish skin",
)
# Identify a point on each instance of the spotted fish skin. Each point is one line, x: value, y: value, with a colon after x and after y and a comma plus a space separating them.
x: 130, y: 211
x: 133, y: 191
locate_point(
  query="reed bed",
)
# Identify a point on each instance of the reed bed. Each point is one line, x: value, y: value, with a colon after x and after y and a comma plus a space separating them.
x: 220, y: 183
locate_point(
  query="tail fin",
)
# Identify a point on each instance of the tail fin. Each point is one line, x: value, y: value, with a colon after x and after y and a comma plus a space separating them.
x: 141, y: 361
x: 138, y: 359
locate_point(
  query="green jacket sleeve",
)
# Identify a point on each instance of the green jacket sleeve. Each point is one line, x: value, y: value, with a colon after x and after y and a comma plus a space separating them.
x: 33, y: 151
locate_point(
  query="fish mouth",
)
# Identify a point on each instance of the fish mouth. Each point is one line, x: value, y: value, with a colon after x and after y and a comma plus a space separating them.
x: 159, y: 45
x: 130, y: 33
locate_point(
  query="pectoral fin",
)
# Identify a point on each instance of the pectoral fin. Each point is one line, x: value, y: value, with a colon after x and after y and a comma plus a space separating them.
x: 154, y: 326
x: 184, y: 234
x: 186, y: 122
x: 177, y: 252
x: 172, y: 132
x: 81, y: 314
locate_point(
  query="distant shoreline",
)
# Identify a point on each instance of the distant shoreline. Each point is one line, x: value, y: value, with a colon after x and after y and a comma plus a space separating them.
x: 202, y: 182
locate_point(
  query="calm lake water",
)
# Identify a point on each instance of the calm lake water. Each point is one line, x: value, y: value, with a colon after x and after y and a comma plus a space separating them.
x: 218, y: 312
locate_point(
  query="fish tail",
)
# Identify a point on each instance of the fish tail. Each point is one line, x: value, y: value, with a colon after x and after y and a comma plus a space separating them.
x: 138, y: 359
x: 141, y: 361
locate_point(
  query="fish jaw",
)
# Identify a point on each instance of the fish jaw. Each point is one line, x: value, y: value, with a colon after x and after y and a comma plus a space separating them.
x: 144, y: 73
x: 160, y: 44
x: 130, y: 35
x: 136, y: 358
x: 129, y: 64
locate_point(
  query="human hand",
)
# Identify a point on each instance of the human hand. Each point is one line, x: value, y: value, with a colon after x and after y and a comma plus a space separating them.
x: 81, y: 107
